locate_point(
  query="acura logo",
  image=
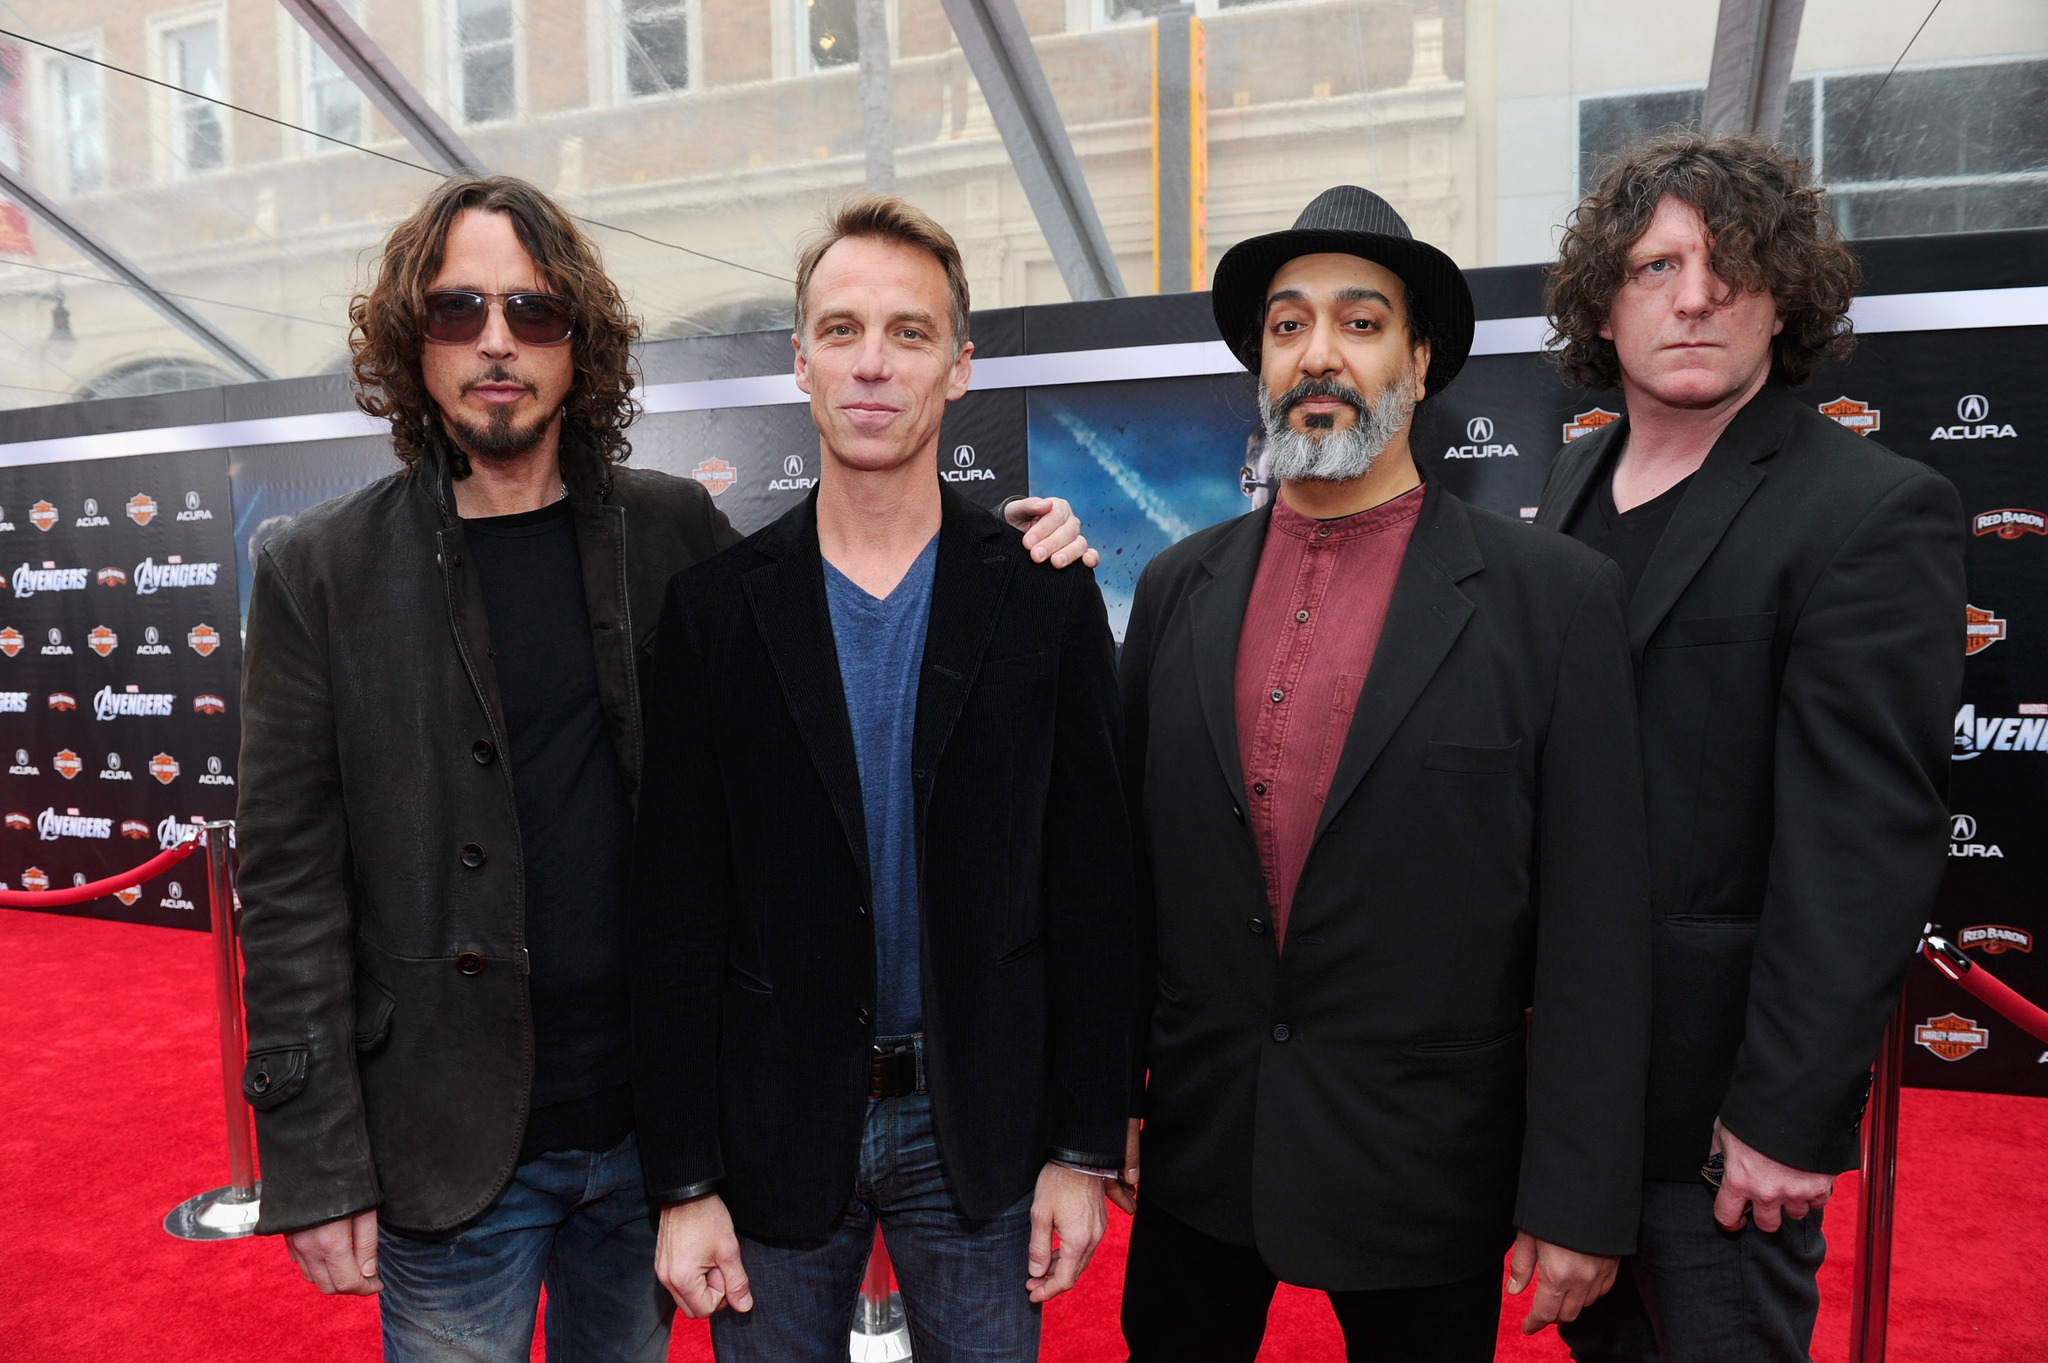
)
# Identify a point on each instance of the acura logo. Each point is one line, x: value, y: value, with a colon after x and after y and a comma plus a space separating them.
x: 191, y: 501
x: 793, y: 465
x: 1973, y: 407
x: 56, y: 636
x: 92, y: 508
x: 1961, y: 828
x: 1479, y: 430
x: 963, y: 456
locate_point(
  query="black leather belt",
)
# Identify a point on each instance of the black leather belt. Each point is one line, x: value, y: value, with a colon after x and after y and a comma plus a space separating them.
x: 892, y: 1073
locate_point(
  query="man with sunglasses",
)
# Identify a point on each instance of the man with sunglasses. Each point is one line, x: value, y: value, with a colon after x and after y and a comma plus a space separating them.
x: 442, y: 724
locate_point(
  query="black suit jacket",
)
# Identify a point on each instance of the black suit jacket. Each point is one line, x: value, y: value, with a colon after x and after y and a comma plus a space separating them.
x: 1355, y: 1108
x: 1798, y: 637
x: 754, y: 984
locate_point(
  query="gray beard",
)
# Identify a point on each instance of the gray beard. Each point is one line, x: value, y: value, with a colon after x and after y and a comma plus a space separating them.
x: 1336, y: 456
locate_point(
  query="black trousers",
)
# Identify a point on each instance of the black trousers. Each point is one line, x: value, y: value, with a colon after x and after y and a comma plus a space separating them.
x: 1189, y: 1298
x: 1693, y: 1293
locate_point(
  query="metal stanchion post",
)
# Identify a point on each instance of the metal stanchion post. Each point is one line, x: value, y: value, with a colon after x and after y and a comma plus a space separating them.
x: 881, y: 1332
x: 1871, y: 1294
x: 225, y: 1213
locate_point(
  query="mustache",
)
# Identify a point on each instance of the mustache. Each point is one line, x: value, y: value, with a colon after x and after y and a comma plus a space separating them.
x: 1320, y: 388
x: 498, y: 373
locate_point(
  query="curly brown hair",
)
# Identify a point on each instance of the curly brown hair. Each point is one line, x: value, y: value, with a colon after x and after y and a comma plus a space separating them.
x: 1770, y: 227
x: 387, y: 331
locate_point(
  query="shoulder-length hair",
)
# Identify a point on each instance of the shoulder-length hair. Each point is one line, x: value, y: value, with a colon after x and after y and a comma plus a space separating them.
x: 386, y: 333
x: 1770, y: 227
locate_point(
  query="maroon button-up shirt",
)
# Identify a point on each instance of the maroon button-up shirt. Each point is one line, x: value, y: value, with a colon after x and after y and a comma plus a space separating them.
x: 1309, y: 634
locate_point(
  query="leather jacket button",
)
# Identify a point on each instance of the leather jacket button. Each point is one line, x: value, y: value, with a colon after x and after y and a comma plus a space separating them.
x: 1256, y: 926
x: 1280, y: 1032
x: 483, y: 752
x: 469, y: 963
x: 861, y: 909
x: 472, y: 854
x: 261, y: 1083
x: 865, y: 1017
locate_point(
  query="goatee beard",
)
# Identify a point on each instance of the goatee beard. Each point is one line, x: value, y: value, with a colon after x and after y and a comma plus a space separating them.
x: 497, y: 439
x: 1335, y: 455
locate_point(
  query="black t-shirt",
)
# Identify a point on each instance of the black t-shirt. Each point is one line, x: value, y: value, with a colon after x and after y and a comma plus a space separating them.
x: 575, y: 824
x: 1628, y: 537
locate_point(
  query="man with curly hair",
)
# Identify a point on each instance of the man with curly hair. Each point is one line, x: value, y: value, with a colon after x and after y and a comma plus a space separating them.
x: 1796, y: 612
x: 442, y: 730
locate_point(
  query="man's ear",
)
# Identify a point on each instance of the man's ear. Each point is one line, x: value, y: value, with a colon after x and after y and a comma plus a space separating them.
x: 803, y: 363
x: 1422, y: 354
x: 963, y: 373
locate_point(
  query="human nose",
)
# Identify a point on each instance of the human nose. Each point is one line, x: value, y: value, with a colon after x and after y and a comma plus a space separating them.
x: 496, y: 339
x: 871, y: 362
x: 1700, y: 290
x: 1321, y: 355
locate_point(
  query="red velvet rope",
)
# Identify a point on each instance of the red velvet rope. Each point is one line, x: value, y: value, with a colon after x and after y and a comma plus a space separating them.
x: 93, y: 889
x: 1988, y: 989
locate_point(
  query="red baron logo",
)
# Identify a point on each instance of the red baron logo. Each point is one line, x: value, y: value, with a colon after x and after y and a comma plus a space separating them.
x: 1951, y: 1037
x: 34, y: 879
x: 1981, y: 629
x: 63, y: 700
x: 67, y: 764
x: 111, y: 577
x: 1859, y: 417
x: 134, y: 828
x: 164, y: 767
x: 2009, y: 523
x: 209, y: 705
x: 716, y: 475
x: 142, y: 508
x: 204, y: 639
x: 20, y: 823
x: 11, y: 641
x: 42, y: 515
x: 102, y: 640
x: 1585, y: 423
x: 129, y: 895
x: 1995, y: 939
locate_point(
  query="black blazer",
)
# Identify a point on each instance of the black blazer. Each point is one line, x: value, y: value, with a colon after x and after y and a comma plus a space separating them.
x: 1355, y: 1107
x: 754, y: 983
x: 1798, y: 637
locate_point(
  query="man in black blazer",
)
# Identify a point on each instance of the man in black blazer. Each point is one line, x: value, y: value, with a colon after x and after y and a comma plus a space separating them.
x: 882, y: 932
x: 1367, y: 848
x: 1796, y: 614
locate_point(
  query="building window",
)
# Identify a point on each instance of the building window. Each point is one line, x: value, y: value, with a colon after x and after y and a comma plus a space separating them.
x: 655, y: 38
x: 833, y: 33
x: 483, y: 40
x: 334, y: 107
x: 192, y: 57
x: 1954, y: 148
x: 74, y: 94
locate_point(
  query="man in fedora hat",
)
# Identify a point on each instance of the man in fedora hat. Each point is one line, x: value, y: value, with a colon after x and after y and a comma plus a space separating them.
x: 1383, y: 768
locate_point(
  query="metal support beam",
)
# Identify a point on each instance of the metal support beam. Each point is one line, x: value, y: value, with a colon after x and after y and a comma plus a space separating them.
x: 373, y: 73
x: 115, y: 264
x: 999, y: 51
x: 1752, y: 68
x: 877, y: 94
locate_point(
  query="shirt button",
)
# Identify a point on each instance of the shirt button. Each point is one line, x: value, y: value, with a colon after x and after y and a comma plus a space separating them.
x: 1258, y: 787
x: 1322, y: 532
x: 1255, y: 926
x: 1301, y: 617
x: 472, y: 854
x: 1278, y: 695
x: 469, y: 963
x: 865, y: 1017
x: 1280, y: 1032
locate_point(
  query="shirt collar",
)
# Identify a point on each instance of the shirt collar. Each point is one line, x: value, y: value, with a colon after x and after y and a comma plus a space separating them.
x: 1371, y: 521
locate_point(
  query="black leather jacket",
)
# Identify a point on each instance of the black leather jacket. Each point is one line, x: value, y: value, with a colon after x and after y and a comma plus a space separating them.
x: 390, y: 1040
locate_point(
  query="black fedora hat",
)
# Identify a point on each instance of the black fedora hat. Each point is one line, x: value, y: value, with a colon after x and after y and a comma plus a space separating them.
x: 1351, y: 221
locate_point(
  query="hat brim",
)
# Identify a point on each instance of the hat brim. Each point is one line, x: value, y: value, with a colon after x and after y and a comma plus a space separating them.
x: 1435, y: 284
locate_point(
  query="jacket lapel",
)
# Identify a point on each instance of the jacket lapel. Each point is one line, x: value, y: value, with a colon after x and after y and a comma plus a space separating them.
x: 1572, y: 479
x: 787, y: 598
x: 1424, y: 618
x: 1216, y: 616
x: 968, y: 583
x: 1724, y: 482
x: 601, y: 544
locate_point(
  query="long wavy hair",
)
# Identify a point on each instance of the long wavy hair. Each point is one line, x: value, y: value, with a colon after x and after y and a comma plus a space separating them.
x: 1770, y: 227
x: 386, y: 333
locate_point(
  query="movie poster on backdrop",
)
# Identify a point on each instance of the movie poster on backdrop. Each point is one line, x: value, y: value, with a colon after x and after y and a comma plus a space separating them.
x: 119, y: 660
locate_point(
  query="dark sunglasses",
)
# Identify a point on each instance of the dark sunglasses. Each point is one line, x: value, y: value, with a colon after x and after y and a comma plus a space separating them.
x: 457, y: 316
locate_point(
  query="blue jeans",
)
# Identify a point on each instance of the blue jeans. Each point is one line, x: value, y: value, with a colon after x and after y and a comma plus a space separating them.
x: 578, y: 1222
x: 962, y: 1281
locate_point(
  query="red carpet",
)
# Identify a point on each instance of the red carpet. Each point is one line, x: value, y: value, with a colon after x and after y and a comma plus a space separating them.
x: 110, y: 1114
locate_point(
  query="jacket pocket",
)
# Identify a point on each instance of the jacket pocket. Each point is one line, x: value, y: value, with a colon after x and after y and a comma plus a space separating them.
x: 273, y: 1077
x: 1716, y: 629
x: 1471, y: 758
x: 1458, y: 1045
x: 374, y: 1008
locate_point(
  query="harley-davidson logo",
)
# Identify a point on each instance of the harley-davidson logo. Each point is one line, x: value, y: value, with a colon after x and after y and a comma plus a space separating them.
x: 209, y: 705
x: 142, y: 508
x: 102, y: 640
x: 20, y: 823
x: 716, y: 475
x: 1981, y: 630
x: 1996, y: 939
x: 2009, y: 523
x: 1585, y: 423
x: 67, y: 764
x: 63, y: 700
x: 129, y: 895
x: 164, y: 767
x: 111, y: 577
x: 204, y: 639
x: 34, y: 879
x: 1859, y: 417
x: 1951, y: 1037
x: 42, y: 515
x: 135, y: 828
x: 11, y: 641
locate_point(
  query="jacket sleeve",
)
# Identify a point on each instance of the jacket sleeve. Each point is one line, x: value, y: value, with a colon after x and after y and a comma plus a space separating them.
x: 1086, y: 889
x: 1134, y: 680
x: 1860, y: 824
x: 682, y: 878
x: 297, y: 928
x: 1582, y: 1153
